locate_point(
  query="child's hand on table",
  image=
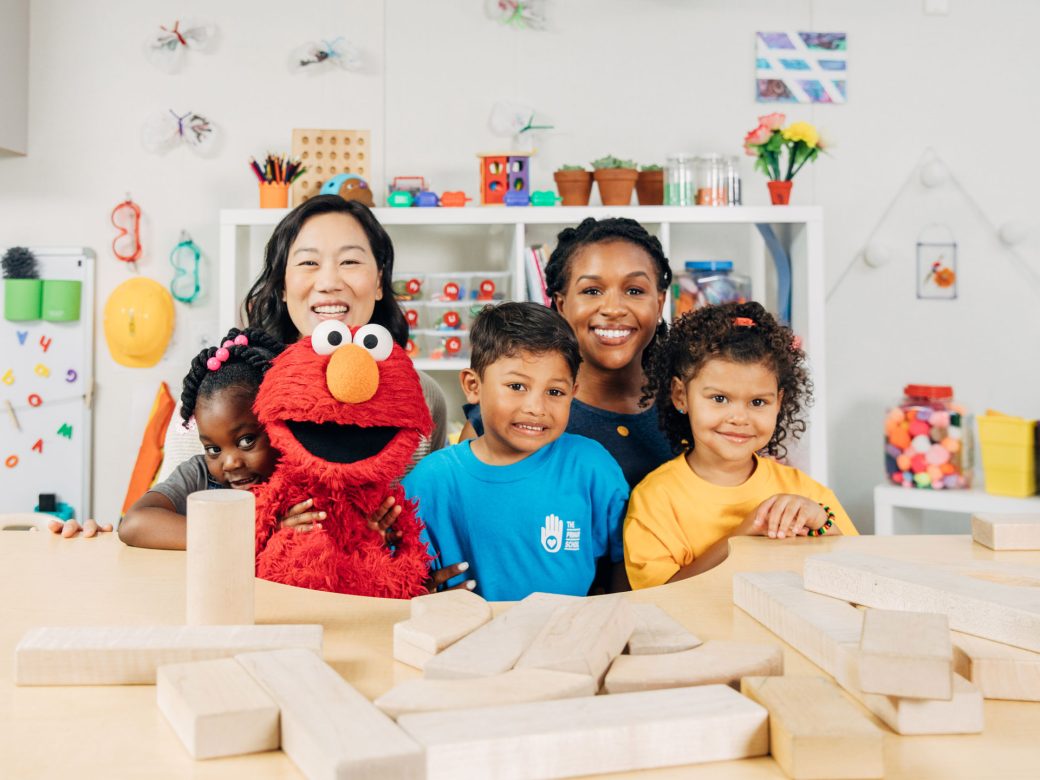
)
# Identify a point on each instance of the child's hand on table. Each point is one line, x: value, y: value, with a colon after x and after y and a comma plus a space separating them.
x: 786, y: 515
x: 71, y: 528
x: 440, y: 576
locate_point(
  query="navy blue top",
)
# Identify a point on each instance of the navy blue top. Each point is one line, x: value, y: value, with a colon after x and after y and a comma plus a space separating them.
x: 635, y: 441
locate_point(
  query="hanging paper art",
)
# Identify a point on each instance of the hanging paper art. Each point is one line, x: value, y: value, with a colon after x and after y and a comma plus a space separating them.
x: 323, y: 55
x: 185, y: 259
x: 937, y: 270
x: 523, y: 14
x: 800, y: 67
x: 516, y: 121
x: 166, y: 48
x: 168, y: 129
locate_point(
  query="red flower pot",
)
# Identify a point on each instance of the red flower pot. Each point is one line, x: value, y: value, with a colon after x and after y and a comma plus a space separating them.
x: 780, y: 192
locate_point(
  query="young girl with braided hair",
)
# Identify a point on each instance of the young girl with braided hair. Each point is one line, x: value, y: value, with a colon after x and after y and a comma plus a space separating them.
x: 730, y: 385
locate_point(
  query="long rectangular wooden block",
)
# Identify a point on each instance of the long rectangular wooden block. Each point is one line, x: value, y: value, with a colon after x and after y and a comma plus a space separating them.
x: 593, y: 735
x: 441, y: 619
x: 715, y: 662
x: 582, y: 638
x: 815, y: 733
x: 130, y: 655
x: 217, y: 709
x: 1004, y: 613
x: 495, y: 647
x: 1007, y: 532
x: 658, y: 632
x: 999, y: 671
x: 906, y: 654
x: 962, y: 714
x: 330, y: 730
x: 512, y: 687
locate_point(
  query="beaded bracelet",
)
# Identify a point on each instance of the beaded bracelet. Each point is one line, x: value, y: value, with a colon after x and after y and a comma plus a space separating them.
x: 826, y: 526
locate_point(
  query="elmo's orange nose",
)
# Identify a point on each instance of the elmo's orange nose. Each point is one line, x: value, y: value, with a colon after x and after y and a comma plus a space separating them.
x: 352, y: 375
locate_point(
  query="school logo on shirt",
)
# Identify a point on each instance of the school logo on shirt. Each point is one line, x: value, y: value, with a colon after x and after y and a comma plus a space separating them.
x: 554, y: 536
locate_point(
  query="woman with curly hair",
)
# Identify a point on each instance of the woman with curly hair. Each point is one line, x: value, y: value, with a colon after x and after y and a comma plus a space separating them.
x: 730, y: 385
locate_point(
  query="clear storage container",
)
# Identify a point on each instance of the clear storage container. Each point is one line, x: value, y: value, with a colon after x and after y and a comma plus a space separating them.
x: 928, y: 440
x: 707, y: 282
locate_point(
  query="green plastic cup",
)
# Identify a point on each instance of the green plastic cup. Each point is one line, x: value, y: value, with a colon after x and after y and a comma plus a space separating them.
x: 22, y: 299
x: 61, y: 299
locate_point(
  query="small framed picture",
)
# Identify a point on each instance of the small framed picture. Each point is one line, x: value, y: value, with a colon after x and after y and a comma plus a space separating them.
x: 937, y: 270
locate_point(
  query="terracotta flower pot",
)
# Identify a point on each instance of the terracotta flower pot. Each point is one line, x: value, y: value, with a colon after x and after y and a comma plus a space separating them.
x: 780, y: 192
x: 615, y: 185
x: 575, y: 187
x: 650, y: 188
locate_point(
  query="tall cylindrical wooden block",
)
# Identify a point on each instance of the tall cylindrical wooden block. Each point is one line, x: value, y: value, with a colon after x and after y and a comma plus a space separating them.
x: 220, y: 558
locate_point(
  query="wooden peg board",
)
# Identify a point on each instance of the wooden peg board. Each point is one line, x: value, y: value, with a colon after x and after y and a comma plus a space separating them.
x: 326, y: 153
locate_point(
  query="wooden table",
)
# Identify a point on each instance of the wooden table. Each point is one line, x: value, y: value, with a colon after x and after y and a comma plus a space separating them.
x: 118, y: 732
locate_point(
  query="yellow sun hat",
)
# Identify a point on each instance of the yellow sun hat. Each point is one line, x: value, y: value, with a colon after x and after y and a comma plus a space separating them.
x: 138, y: 322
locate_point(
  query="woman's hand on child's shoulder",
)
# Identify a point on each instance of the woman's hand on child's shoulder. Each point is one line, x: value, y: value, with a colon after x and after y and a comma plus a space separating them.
x: 786, y: 515
x: 302, y: 517
x: 440, y: 576
x: 71, y: 528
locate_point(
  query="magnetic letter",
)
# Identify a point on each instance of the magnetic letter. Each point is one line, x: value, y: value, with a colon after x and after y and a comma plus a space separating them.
x: 38, y: 446
x: 35, y: 400
x: 42, y: 370
x: 45, y: 342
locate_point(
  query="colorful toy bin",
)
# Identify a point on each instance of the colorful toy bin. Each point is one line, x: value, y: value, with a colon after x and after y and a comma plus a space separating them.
x: 927, y: 440
x: 504, y: 172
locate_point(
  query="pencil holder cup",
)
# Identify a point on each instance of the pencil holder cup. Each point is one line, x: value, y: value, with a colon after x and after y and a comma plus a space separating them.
x: 274, y: 195
x: 61, y: 300
x: 22, y: 299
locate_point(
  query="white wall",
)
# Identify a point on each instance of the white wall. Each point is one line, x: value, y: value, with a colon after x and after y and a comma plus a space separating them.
x: 632, y: 79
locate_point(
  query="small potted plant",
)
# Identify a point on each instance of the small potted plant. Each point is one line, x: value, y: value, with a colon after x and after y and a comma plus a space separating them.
x: 23, y: 290
x: 616, y: 179
x: 771, y: 142
x: 574, y: 184
x: 650, y: 185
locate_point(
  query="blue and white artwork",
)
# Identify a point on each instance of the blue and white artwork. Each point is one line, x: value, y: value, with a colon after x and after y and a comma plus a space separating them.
x: 800, y: 67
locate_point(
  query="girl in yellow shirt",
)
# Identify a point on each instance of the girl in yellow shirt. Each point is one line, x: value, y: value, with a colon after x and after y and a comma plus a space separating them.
x: 730, y: 385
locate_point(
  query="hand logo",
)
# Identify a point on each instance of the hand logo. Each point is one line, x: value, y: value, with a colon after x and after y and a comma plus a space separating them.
x: 552, y: 534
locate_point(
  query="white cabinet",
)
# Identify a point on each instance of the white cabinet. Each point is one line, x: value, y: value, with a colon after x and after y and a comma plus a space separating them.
x: 481, y: 238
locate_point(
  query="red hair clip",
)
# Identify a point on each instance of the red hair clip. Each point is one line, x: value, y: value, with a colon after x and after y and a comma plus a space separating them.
x: 743, y: 322
x: 223, y: 354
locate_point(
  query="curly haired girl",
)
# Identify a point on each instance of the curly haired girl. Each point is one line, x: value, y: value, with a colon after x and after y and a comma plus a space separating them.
x: 730, y: 385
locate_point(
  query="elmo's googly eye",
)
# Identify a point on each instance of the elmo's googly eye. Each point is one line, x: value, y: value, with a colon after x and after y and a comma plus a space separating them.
x: 329, y: 336
x: 376, y: 340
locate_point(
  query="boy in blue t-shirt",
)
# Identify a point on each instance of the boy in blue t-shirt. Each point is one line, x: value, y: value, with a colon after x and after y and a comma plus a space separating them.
x: 529, y: 507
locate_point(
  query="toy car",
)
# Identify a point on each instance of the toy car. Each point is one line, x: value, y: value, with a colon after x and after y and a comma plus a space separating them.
x: 399, y: 199
x: 455, y: 198
x: 544, y: 198
x: 517, y: 199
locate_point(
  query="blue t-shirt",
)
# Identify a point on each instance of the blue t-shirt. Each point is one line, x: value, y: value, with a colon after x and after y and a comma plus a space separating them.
x: 634, y: 440
x: 537, y: 525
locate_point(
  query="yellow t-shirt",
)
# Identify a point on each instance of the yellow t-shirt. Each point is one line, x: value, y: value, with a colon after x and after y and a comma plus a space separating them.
x: 675, y: 515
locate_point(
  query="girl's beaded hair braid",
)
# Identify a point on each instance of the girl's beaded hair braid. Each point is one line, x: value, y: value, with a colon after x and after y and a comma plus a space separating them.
x: 739, y: 332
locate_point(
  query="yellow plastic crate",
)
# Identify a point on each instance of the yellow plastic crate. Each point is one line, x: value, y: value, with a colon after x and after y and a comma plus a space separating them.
x: 1008, y: 454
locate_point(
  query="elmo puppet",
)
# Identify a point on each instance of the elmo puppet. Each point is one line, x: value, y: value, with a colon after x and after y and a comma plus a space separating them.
x: 345, y: 410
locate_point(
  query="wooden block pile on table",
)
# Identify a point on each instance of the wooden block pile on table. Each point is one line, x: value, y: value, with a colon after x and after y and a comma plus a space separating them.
x: 1007, y: 532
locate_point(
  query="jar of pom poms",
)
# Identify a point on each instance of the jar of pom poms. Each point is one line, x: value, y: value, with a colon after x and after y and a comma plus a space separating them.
x: 928, y: 440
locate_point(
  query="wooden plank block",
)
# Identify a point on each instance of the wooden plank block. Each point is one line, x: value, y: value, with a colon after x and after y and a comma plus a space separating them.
x: 1007, y: 532
x: 217, y: 709
x: 815, y: 733
x: 582, y: 638
x: 712, y: 663
x: 441, y: 619
x: 221, y: 558
x: 999, y: 671
x: 329, y: 729
x: 658, y: 632
x: 1004, y: 613
x: 512, y: 687
x: 906, y: 654
x: 827, y: 632
x: 130, y: 655
x: 593, y: 735
x: 409, y: 654
x: 495, y: 647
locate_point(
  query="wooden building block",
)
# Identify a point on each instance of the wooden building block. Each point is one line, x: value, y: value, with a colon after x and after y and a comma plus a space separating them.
x: 591, y: 736
x: 327, y: 153
x: 815, y: 732
x: 658, y: 632
x: 582, y: 638
x: 495, y: 647
x: 906, y: 654
x: 221, y: 558
x: 512, y: 687
x: 410, y: 655
x: 217, y: 709
x: 441, y: 619
x: 827, y: 631
x: 329, y: 729
x: 1007, y: 532
x: 130, y: 655
x: 1004, y: 613
x: 712, y: 663
x: 999, y: 671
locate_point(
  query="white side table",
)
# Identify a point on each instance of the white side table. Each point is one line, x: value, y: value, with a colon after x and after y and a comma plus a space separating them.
x: 893, y: 503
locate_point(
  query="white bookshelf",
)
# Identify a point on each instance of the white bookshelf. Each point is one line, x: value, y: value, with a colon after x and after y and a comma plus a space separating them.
x: 508, y: 231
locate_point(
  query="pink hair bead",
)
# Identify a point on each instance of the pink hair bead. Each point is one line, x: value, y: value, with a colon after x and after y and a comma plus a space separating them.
x: 242, y: 340
x: 228, y: 343
x: 213, y: 364
x: 222, y: 354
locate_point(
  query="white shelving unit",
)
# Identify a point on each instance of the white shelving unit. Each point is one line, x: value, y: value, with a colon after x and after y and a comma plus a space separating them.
x: 898, y: 509
x: 799, y: 231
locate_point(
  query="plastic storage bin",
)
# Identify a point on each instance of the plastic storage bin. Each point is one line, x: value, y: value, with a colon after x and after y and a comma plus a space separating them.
x: 444, y: 345
x: 408, y: 286
x: 490, y: 286
x: 414, y: 313
x: 452, y: 286
x: 706, y: 282
x: 447, y: 315
x: 928, y: 440
x: 1008, y: 454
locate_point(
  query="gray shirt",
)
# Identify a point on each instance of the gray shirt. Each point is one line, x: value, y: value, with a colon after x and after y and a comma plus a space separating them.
x: 189, y: 477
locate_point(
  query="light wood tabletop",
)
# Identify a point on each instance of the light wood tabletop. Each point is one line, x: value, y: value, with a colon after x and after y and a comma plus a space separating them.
x: 118, y: 732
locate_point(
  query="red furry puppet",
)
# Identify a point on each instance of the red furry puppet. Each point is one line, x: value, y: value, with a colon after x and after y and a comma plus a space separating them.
x: 345, y: 410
